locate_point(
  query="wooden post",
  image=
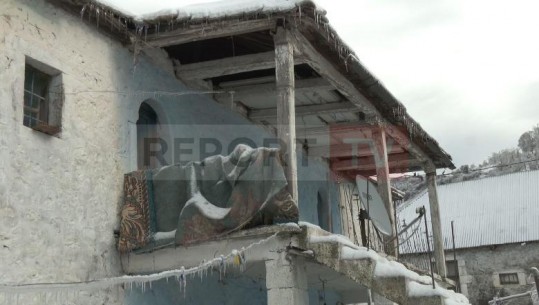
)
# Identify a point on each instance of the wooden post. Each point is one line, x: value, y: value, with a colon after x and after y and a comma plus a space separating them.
x: 286, y: 115
x: 384, y: 186
x: 438, y: 240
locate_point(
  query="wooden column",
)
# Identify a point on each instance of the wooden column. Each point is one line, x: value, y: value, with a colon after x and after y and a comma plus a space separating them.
x: 438, y: 239
x: 384, y: 186
x: 286, y: 115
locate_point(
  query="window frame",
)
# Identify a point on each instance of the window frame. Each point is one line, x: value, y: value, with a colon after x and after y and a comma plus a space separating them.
x: 45, y: 115
x: 503, y: 275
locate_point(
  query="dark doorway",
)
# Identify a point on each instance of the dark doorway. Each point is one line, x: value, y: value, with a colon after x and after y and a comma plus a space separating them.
x: 147, y: 132
x: 323, y: 212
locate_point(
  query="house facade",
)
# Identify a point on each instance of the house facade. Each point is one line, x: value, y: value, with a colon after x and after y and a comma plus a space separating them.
x: 90, y: 94
x: 495, y: 234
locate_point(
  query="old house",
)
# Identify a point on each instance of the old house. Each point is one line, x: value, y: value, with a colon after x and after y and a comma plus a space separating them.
x: 98, y: 107
x: 496, y: 236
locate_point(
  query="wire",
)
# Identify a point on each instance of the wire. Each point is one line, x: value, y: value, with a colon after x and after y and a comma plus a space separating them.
x: 126, y: 279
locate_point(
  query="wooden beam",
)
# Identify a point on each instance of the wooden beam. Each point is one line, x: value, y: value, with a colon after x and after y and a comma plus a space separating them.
x: 243, y: 92
x: 346, y: 150
x: 327, y: 70
x: 261, y: 114
x: 398, y: 160
x: 436, y: 223
x: 338, y: 132
x: 286, y: 117
x: 206, y: 31
x: 228, y: 66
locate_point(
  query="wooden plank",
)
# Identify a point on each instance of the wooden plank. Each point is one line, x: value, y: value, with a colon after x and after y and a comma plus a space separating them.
x: 337, y: 130
x: 286, y: 117
x: 206, y: 31
x: 228, y: 66
x: 345, y: 150
x: 242, y: 92
x: 398, y: 160
x: 327, y: 70
x: 261, y: 114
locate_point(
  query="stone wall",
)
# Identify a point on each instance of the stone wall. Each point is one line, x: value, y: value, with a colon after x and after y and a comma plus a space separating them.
x: 60, y: 195
x: 479, y: 270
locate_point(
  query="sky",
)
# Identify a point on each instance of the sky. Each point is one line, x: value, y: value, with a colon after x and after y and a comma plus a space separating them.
x: 466, y: 70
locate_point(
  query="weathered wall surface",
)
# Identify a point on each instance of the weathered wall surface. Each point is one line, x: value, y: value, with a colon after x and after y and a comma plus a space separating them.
x: 479, y: 270
x: 59, y: 196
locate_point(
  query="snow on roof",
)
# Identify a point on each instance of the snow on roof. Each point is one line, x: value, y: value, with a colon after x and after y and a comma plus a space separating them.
x: 208, y: 9
x: 490, y: 211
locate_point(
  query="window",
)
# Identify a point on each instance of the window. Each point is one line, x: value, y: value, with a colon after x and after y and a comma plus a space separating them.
x: 43, y: 98
x: 452, y: 270
x: 509, y: 278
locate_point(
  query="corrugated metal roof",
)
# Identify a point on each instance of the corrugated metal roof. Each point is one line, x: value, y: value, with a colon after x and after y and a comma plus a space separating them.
x: 489, y: 211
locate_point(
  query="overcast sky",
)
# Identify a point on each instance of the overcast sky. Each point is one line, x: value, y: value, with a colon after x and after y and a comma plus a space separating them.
x: 466, y: 70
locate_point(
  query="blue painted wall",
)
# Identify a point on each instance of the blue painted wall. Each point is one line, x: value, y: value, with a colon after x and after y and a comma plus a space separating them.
x: 233, y: 289
x: 197, y: 116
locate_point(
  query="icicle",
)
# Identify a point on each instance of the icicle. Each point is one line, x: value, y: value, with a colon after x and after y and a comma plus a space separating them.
x: 183, y: 280
x: 222, y: 266
x: 82, y: 11
x: 239, y: 259
x: 97, y: 16
x: 202, y: 269
x: 90, y: 12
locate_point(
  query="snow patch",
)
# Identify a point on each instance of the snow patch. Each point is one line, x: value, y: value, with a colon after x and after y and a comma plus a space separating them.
x: 208, y: 210
x: 308, y: 225
x: 291, y: 225
x: 450, y: 297
x: 164, y: 235
x: 384, y: 267
x: 334, y: 238
x: 213, y: 9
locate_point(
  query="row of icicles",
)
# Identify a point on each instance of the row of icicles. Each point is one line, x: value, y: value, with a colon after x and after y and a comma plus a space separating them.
x: 46, y: 293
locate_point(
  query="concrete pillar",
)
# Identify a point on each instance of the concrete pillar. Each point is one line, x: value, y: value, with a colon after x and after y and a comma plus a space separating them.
x: 384, y: 185
x: 438, y: 239
x: 286, y: 110
x: 286, y: 281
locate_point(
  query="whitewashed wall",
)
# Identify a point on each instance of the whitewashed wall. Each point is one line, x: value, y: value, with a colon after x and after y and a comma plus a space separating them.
x: 60, y: 196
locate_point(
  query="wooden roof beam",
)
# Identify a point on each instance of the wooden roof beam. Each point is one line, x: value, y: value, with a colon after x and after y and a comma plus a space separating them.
x: 400, y: 160
x: 358, y: 129
x: 327, y: 70
x: 345, y: 151
x: 261, y: 114
x: 229, y: 65
x: 242, y: 92
x: 205, y: 31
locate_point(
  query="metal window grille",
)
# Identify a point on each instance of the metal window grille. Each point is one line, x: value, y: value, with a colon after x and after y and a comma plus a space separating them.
x: 36, y: 84
x: 43, y: 100
x: 508, y: 278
